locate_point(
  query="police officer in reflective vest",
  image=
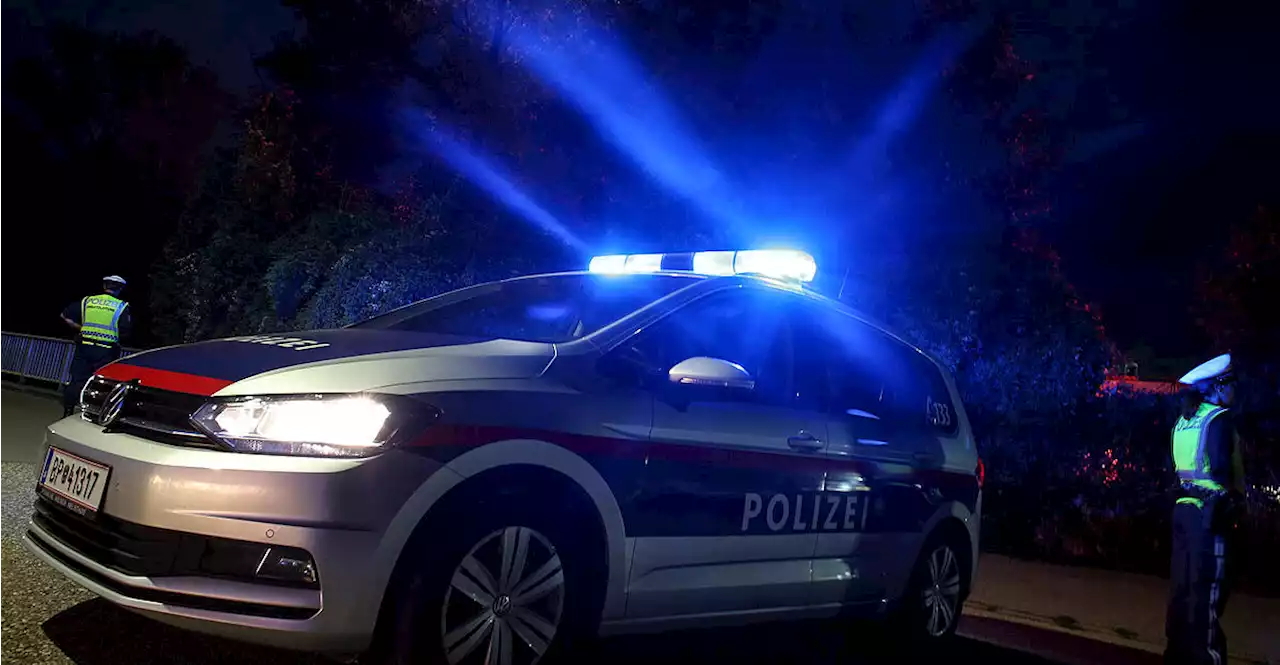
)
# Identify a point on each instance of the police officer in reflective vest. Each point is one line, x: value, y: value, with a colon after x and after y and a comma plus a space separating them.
x: 100, y: 320
x: 1206, y: 456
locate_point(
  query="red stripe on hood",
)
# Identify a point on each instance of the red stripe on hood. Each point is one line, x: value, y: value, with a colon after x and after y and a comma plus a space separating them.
x: 164, y: 379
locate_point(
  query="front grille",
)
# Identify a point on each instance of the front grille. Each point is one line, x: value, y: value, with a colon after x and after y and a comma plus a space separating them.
x: 116, y: 544
x: 134, y: 549
x: 150, y: 413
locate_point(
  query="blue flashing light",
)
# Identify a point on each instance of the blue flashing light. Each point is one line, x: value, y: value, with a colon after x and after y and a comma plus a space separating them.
x: 643, y: 263
x: 790, y: 265
x: 608, y: 264
x: 713, y: 263
x: 787, y: 264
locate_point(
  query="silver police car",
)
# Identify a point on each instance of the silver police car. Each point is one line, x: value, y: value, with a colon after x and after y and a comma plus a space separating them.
x: 661, y: 442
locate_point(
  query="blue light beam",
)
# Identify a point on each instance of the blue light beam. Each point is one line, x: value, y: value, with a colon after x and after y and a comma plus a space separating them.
x: 906, y: 102
x: 627, y: 108
x: 491, y: 178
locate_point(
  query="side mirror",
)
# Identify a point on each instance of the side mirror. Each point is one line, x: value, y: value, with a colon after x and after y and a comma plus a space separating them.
x: 711, y: 373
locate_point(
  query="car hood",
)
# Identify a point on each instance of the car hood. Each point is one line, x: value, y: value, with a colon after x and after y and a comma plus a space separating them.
x: 346, y: 360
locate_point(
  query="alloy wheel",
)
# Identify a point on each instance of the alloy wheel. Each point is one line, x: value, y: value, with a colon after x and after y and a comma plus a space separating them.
x: 941, y: 593
x: 505, y: 600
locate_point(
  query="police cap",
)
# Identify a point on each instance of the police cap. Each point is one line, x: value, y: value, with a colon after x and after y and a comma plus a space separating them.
x: 1217, y: 369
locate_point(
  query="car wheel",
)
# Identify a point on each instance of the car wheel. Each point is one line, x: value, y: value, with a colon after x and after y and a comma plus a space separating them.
x: 511, y: 589
x: 929, y: 610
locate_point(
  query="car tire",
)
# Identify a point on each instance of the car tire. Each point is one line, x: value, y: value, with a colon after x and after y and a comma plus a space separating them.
x: 929, y: 610
x: 454, y: 605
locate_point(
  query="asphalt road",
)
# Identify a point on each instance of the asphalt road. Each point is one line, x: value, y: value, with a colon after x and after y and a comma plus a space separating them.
x: 46, y: 619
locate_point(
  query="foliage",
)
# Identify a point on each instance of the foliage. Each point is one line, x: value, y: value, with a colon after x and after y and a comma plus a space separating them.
x: 994, y: 305
x: 212, y: 266
x: 1237, y: 290
x: 1236, y: 303
x: 1101, y: 492
x: 278, y: 248
x: 242, y: 264
x: 1236, y: 306
x: 1022, y: 346
x: 388, y: 270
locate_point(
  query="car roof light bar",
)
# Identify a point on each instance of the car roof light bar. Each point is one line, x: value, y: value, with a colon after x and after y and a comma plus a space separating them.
x: 783, y: 264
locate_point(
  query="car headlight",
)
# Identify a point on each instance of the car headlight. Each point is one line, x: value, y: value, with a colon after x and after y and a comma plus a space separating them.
x: 310, y: 425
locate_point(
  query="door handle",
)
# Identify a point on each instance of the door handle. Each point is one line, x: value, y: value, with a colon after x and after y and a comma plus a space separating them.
x: 804, y: 441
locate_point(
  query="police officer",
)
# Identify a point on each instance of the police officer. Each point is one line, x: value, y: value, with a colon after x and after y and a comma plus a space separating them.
x: 100, y: 320
x: 1206, y: 456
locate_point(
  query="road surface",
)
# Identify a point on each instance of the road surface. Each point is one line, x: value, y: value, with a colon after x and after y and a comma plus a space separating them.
x: 47, y: 619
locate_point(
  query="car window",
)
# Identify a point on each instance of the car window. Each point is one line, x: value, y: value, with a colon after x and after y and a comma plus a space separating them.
x: 868, y: 373
x: 742, y: 326
x: 554, y: 308
x: 847, y: 362
x: 929, y: 391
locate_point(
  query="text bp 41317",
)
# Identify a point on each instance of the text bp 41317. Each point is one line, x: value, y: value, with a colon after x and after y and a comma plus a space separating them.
x: 73, y: 482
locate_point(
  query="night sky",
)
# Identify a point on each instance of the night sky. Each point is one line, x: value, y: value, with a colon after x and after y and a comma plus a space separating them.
x: 1137, y: 208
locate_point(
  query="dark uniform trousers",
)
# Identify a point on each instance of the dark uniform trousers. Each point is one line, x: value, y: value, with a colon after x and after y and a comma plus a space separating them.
x: 1199, y: 586
x: 89, y: 359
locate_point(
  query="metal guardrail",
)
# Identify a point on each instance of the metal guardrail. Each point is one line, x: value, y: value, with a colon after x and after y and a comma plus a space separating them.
x: 38, y: 358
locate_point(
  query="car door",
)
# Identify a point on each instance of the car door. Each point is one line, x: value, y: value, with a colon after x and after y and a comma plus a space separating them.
x: 873, y: 453
x: 725, y: 522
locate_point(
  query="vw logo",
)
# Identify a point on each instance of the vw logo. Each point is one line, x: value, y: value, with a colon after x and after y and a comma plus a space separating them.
x: 114, y: 403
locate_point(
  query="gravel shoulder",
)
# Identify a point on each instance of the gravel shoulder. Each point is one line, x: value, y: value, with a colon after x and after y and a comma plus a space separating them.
x: 29, y: 594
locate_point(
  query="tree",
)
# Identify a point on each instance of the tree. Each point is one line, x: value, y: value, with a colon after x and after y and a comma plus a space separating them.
x: 1023, y: 348
x: 469, y: 66
x: 303, y: 187
x: 1236, y: 303
x: 994, y: 304
x: 211, y: 268
x: 109, y: 131
x: 1236, y: 306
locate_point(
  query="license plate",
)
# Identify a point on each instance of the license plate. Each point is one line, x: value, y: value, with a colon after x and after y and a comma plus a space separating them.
x: 74, y: 482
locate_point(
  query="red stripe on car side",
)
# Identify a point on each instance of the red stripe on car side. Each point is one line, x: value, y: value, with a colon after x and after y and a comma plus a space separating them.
x: 164, y: 379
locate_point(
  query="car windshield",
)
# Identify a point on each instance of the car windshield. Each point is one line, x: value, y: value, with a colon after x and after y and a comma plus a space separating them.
x: 554, y: 308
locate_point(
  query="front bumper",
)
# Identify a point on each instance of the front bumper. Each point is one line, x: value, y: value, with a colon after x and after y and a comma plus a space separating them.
x: 335, y: 509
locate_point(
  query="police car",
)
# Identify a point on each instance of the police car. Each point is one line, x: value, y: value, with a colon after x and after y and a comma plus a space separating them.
x: 660, y: 442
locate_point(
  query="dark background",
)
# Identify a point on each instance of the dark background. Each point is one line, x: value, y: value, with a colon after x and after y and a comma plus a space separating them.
x: 1141, y: 204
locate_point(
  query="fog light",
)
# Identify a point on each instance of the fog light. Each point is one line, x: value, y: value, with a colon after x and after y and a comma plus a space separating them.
x: 287, y: 564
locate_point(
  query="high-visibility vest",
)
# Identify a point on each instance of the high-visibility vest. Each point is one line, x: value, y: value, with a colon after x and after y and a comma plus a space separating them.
x: 100, y: 320
x: 1190, y: 459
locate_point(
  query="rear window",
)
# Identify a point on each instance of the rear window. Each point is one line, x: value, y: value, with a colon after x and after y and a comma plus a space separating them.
x: 554, y: 308
x: 871, y: 373
x: 931, y: 391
